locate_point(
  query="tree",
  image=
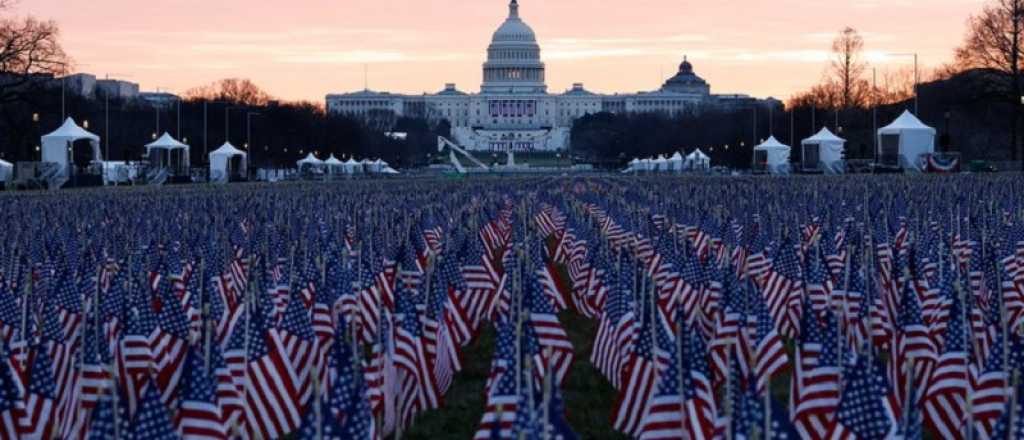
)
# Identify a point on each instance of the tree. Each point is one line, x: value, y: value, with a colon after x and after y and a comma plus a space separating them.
x: 895, y: 86
x: 233, y: 90
x: 993, y: 41
x: 848, y: 68
x: 29, y: 49
x: 826, y: 95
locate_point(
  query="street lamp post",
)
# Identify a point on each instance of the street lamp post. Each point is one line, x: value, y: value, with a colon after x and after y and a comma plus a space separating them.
x: 227, y: 121
x: 248, y: 132
x: 916, y: 78
x: 35, y: 124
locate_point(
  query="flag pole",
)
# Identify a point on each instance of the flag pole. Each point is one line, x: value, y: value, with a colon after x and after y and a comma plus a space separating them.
x: 316, y: 403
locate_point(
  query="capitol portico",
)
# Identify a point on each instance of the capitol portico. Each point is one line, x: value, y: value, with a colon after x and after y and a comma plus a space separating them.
x: 514, y: 109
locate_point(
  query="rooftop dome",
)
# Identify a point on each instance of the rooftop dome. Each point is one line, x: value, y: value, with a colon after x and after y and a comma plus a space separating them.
x: 513, y: 58
x: 686, y: 67
x: 685, y: 81
x: 514, y: 29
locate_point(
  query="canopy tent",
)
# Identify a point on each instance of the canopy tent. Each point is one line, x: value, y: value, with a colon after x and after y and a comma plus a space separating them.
x: 371, y: 166
x: 660, y: 164
x: 58, y: 146
x: 633, y: 166
x: 389, y: 170
x: 353, y: 166
x: 334, y: 165
x: 675, y: 163
x: 6, y: 172
x: 222, y: 167
x: 309, y: 163
x: 822, y: 152
x: 772, y: 157
x: 902, y: 143
x: 165, y: 148
x: 381, y: 167
x: 697, y: 160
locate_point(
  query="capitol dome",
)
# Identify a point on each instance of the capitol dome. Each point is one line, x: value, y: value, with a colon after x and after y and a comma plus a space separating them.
x: 513, y: 58
x: 514, y: 29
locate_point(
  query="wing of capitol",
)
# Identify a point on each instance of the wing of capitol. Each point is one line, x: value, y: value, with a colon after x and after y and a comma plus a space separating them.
x: 514, y: 110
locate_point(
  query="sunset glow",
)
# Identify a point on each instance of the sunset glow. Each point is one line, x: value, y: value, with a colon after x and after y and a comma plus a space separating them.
x: 305, y: 49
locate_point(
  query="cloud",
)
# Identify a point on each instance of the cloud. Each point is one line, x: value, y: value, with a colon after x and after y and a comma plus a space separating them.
x: 363, y: 57
x: 576, y: 48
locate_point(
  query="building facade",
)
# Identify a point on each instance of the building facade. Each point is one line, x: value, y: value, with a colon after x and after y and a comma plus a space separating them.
x: 514, y: 111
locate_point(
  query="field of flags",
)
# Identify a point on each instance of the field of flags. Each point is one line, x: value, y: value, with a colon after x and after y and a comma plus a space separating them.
x: 744, y: 308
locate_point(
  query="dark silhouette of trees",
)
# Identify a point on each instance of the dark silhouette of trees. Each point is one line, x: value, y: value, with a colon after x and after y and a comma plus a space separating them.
x: 29, y: 49
x: 281, y: 133
x: 234, y: 90
x: 993, y: 41
x: 610, y: 140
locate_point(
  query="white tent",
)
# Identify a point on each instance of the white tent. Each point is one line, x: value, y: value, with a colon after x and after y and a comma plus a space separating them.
x: 659, y: 164
x: 309, y: 162
x: 646, y: 164
x: 675, y: 163
x: 822, y: 152
x: 903, y: 142
x: 381, y: 167
x: 697, y: 160
x: 57, y: 146
x: 353, y: 166
x: 772, y: 156
x: 221, y: 167
x: 168, y: 146
x: 6, y: 172
x: 389, y: 170
x: 370, y: 166
x: 334, y: 165
x: 633, y: 166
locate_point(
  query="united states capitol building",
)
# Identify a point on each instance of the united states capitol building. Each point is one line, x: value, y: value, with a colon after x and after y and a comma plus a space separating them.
x: 514, y: 110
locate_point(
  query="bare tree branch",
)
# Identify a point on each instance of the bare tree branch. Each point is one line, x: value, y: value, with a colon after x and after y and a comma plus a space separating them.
x: 29, y: 49
x: 235, y: 90
x: 848, y: 68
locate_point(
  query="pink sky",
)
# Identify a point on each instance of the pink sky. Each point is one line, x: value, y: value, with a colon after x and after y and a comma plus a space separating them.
x: 304, y: 49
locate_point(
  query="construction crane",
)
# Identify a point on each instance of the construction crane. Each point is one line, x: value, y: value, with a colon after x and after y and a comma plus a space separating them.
x: 443, y: 142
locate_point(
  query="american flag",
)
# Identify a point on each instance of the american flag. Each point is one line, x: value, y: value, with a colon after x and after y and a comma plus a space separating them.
x: 152, y: 421
x: 781, y: 290
x: 639, y: 375
x: 199, y: 418
x: 865, y: 410
x: 502, y: 386
x: 269, y: 384
x: 989, y: 390
x: 482, y: 278
x: 169, y: 344
x: 40, y: 399
x: 556, y: 351
x: 615, y: 333
x: 1011, y: 423
x: 419, y: 390
x: 296, y: 333
x: 945, y: 399
x: 95, y: 367
x: 814, y: 393
x: 11, y: 407
x: 765, y: 347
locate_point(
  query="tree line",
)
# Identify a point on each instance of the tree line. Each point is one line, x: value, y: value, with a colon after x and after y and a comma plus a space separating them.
x: 974, y: 101
x: 275, y: 134
x: 986, y: 67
